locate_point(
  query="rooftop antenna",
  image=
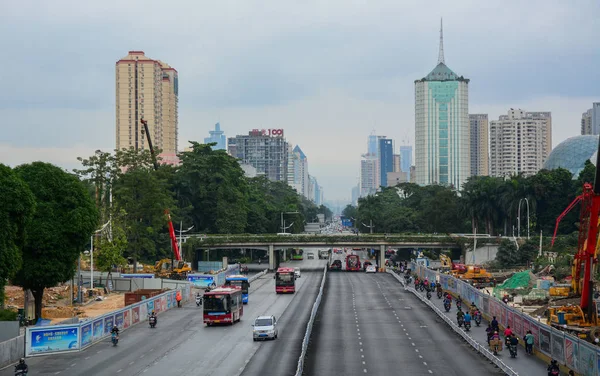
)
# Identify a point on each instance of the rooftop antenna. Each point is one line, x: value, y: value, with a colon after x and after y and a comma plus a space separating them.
x: 441, y: 54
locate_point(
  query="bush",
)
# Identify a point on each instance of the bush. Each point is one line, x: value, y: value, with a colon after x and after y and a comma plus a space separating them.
x: 8, y: 315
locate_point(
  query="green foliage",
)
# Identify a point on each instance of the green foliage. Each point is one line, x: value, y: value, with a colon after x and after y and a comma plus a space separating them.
x: 65, y: 217
x: 508, y: 254
x: 110, y: 252
x: 17, y: 206
x: 350, y: 211
x: 8, y: 315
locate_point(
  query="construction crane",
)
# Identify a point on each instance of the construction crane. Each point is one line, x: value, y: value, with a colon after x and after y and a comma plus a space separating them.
x: 582, y: 319
x: 155, y: 163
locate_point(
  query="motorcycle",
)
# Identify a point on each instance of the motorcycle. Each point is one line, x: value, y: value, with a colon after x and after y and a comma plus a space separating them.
x: 428, y: 295
x: 478, y: 319
x: 458, y: 304
x: 513, y: 350
x: 198, y: 301
x: 447, y: 306
x: 20, y: 372
x: 467, y: 326
x: 460, y: 321
x: 152, y: 321
x: 439, y: 294
x: 115, y: 339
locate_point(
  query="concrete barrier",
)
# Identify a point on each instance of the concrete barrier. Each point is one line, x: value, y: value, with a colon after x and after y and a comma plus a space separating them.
x: 11, y: 351
x: 258, y: 275
x: 311, y: 322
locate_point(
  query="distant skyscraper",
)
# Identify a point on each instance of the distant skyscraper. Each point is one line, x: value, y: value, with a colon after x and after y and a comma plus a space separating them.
x: 217, y: 136
x: 479, y: 145
x: 519, y: 143
x: 268, y: 154
x: 368, y: 175
x: 442, y: 131
x: 355, y: 194
x: 590, y: 120
x: 397, y: 167
x: 386, y: 160
x: 298, y: 171
x: 315, y: 191
x: 148, y: 89
x: 406, y: 160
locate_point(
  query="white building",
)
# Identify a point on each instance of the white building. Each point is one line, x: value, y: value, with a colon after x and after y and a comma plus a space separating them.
x: 298, y: 171
x: 368, y: 175
x: 442, y: 129
x: 590, y: 120
x: 520, y: 142
x: 480, y: 159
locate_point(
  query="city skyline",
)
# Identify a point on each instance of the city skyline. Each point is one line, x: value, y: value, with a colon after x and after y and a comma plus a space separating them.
x: 341, y: 94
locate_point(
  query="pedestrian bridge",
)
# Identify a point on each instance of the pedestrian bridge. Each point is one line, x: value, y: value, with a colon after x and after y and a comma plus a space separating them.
x: 271, y: 242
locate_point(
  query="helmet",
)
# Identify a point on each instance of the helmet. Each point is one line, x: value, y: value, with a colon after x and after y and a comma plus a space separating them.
x: 553, y: 361
x: 22, y: 360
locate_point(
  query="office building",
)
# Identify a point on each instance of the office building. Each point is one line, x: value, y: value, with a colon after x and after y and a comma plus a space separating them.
x: 442, y: 134
x: 479, y: 144
x: 298, y: 171
x: 406, y: 160
x: 148, y: 89
x: 355, y: 194
x: 386, y: 160
x: 217, y: 136
x: 396, y: 163
x: 267, y: 153
x: 315, y: 191
x: 520, y: 142
x: 590, y: 120
x: 368, y: 175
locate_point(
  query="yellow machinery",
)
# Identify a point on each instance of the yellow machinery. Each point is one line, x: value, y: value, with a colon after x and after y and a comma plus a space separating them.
x: 165, y: 269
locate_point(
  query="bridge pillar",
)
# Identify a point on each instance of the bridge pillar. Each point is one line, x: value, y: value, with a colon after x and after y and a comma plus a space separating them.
x: 271, y: 257
x: 381, y: 258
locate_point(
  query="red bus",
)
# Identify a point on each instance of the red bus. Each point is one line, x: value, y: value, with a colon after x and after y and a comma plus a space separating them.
x: 285, y: 280
x: 223, y: 305
x: 353, y: 263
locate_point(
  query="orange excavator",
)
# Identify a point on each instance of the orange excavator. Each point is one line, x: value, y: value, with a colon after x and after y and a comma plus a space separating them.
x: 582, y: 319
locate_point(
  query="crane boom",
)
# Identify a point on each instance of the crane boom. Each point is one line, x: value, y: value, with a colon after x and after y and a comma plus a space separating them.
x: 155, y: 163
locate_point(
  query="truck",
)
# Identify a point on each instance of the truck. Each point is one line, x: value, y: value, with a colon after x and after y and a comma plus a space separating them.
x: 323, y: 254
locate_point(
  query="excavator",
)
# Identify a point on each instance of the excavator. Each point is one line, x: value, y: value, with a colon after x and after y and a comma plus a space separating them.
x: 582, y: 319
x: 475, y: 275
x: 178, y: 269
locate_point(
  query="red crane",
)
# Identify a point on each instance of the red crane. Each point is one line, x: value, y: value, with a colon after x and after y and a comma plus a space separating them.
x: 155, y: 163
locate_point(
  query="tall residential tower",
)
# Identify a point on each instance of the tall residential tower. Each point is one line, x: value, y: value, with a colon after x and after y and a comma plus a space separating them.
x: 148, y: 89
x: 480, y: 160
x: 442, y: 132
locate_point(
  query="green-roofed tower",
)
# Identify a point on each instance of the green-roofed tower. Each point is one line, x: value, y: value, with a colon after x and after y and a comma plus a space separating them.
x: 442, y: 131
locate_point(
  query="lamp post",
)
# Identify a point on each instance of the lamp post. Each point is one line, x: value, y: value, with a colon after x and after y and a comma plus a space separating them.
x: 182, y: 232
x: 92, y: 254
x: 519, y: 217
x: 369, y: 226
x: 283, y: 228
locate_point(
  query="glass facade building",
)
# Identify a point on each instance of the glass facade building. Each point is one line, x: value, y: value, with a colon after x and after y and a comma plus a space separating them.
x: 217, y: 136
x: 386, y: 160
x: 406, y: 160
x: 572, y: 154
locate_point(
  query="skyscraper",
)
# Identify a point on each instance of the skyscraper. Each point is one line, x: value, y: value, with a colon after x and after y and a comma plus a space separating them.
x: 519, y: 143
x: 590, y: 120
x: 479, y: 145
x: 386, y: 160
x: 442, y: 131
x: 368, y: 175
x: 298, y: 171
x: 267, y: 153
x: 406, y: 160
x: 217, y: 136
x: 148, y: 89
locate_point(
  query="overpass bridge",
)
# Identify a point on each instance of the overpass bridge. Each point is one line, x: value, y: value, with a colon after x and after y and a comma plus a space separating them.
x: 272, y: 243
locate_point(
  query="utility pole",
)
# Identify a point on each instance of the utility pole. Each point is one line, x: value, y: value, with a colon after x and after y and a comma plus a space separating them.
x: 369, y: 226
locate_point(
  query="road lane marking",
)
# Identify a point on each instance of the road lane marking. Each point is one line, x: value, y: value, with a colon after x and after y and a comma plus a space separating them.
x: 430, y: 371
x: 119, y: 370
x: 420, y: 356
x: 412, y: 343
x: 130, y: 363
x: 416, y: 350
x: 73, y: 365
x: 87, y: 357
x: 425, y: 363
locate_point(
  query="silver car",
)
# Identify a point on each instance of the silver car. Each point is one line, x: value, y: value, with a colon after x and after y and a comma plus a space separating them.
x: 265, y: 327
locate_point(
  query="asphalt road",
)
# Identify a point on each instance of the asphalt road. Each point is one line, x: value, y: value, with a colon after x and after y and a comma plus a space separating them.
x: 368, y: 324
x: 181, y: 343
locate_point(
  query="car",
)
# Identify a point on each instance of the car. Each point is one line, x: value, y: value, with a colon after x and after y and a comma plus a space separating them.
x: 366, y: 264
x: 265, y: 327
x: 297, y: 272
x: 336, y: 265
x: 371, y: 269
x: 310, y: 256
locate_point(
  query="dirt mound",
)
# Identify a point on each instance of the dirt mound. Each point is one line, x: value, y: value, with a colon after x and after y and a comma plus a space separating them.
x: 57, y: 312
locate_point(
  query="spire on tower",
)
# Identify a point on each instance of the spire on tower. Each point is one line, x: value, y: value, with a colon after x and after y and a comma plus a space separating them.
x: 441, y: 54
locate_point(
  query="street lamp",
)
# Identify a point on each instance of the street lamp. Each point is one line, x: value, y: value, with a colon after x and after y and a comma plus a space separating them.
x: 182, y: 232
x: 519, y: 217
x: 283, y: 228
x: 92, y: 254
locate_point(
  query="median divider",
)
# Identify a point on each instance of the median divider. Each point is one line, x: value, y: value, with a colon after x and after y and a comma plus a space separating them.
x: 478, y: 347
x: 258, y: 275
x: 310, y: 324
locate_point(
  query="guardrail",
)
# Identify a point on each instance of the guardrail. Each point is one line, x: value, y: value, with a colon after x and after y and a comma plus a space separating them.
x: 476, y: 345
x: 258, y: 275
x: 309, y: 326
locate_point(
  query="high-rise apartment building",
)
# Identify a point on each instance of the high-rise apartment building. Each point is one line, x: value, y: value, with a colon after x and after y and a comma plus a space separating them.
x: 266, y: 152
x: 298, y: 177
x: 397, y: 167
x: 217, y: 136
x: 368, y: 175
x: 406, y: 160
x: 148, y: 89
x: 480, y: 160
x: 315, y: 191
x: 520, y: 142
x: 590, y: 120
x: 386, y: 160
x: 442, y: 134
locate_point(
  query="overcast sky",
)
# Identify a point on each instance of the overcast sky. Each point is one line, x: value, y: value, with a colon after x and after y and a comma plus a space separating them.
x: 327, y: 72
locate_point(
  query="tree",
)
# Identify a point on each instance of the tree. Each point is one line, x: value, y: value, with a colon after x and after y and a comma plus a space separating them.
x: 109, y: 253
x: 65, y: 217
x: 350, y: 211
x: 17, y: 206
x: 508, y: 255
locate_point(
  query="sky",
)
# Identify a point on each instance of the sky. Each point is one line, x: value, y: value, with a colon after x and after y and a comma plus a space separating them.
x: 327, y: 72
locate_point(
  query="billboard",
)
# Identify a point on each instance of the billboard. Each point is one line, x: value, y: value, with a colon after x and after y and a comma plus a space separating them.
x: 201, y: 280
x: 51, y: 340
x: 346, y: 222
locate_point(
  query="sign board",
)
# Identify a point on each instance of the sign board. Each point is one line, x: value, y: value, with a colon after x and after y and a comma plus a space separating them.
x: 60, y: 338
x: 267, y: 132
x: 346, y: 222
x: 201, y: 280
x: 422, y: 262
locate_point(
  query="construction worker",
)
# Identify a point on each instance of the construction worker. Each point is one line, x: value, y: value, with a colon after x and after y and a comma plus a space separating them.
x: 178, y: 298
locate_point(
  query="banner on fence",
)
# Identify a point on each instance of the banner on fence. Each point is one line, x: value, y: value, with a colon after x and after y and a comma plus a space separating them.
x: 587, y: 359
x: 98, y: 328
x: 60, y: 338
x: 109, y: 322
x: 558, y: 346
x: 86, y: 335
x: 126, y: 318
x: 571, y: 353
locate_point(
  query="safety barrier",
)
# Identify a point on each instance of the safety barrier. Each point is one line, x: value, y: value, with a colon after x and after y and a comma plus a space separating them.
x: 310, y: 324
x: 476, y: 345
x: 258, y: 275
x: 76, y: 337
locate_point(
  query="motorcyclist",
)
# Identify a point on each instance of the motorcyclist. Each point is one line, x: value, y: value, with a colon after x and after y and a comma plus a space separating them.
x: 460, y: 315
x: 467, y: 318
x: 473, y: 307
x: 495, y: 323
x: 508, y: 331
x: 490, y: 333
x: 153, y: 315
x: 514, y: 341
x: 553, y: 367
x: 115, y: 329
x: 21, y: 366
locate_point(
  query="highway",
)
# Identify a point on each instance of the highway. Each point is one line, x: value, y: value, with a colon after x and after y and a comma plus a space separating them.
x: 182, y: 344
x: 368, y: 324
